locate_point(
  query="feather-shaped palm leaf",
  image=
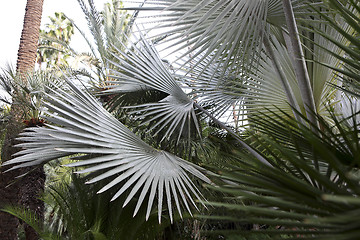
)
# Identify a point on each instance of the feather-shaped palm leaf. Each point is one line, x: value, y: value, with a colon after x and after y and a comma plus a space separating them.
x: 80, y: 125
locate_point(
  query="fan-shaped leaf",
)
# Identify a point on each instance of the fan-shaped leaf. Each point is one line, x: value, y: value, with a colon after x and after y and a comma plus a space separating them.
x: 80, y: 125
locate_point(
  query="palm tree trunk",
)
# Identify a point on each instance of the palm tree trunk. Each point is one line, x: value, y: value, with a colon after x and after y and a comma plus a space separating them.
x: 9, y: 194
x: 29, y: 37
x: 28, y: 187
x: 32, y: 184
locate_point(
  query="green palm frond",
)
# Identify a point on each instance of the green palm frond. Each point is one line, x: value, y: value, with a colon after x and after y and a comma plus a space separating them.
x: 344, y: 22
x: 108, y: 28
x: 71, y: 203
x: 312, y: 190
x: 348, y: 106
x: 27, y: 96
x: 94, y: 20
x: 32, y: 220
x: 116, y: 23
x: 74, y: 211
x: 80, y: 125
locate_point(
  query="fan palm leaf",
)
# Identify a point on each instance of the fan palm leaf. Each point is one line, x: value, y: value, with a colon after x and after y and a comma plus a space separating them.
x: 263, y: 87
x: 211, y: 87
x: 245, y: 94
x: 80, y: 125
x: 230, y: 35
x: 140, y: 68
x: 231, y: 29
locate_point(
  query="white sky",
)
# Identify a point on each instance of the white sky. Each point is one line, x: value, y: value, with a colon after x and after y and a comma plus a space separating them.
x: 11, y: 21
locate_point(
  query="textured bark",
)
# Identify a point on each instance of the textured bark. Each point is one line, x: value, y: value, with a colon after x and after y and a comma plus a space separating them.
x: 31, y: 186
x: 10, y: 195
x: 29, y: 36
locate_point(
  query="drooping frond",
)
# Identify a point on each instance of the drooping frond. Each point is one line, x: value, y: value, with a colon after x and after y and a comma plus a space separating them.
x: 312, y: 191
x: 78, y: 124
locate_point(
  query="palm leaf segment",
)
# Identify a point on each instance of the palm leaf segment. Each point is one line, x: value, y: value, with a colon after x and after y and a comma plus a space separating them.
x: 81, y: 125
x: 232, y: 29
x: 312, y: 189
x: 254, y: 92
x: 226, y: 33
x: 140, y: 67
x: 210, y: 82
x: 262, y: 86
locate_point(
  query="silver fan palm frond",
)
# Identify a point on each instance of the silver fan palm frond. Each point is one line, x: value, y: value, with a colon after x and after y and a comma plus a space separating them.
x: 224, y: 91
x: 265, y: 85
x: 213, y: 86
x: 232, y: 29
x: 140, y: 67
x: 228, y: 28
x: 78, y: 124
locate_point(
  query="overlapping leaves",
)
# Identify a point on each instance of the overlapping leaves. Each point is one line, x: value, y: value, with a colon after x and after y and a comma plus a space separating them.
x: 78, y: 124
x: 230, y: 32
x: 140, y: 68
x: 346, y: 24
x: 312, y: 190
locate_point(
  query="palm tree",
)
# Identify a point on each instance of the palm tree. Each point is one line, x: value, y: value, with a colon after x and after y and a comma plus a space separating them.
x: 70, y: 203
x: 109, y: 28
x: 32, y: 184
x: 243, y: 57
x: 29, y: 36
x: 249, y: 28
x: 54, y: 40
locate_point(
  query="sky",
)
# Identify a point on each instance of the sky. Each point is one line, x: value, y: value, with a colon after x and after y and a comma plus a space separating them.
x: 11, y: 23
x: 12, y: 17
